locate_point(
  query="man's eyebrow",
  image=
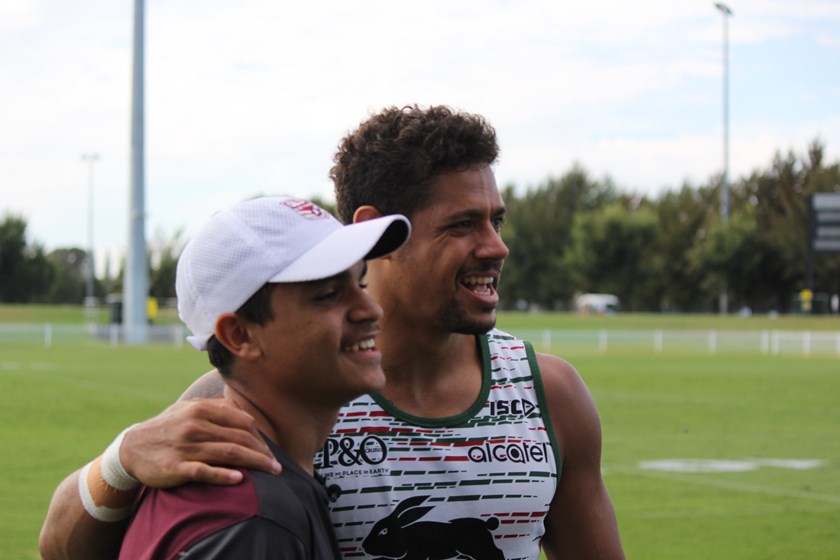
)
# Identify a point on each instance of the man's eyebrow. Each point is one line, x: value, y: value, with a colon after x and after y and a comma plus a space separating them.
x: 476, y: 213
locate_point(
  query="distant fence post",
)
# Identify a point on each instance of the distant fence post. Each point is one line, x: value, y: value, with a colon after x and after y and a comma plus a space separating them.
x: 806, y: 343
x: 713, y: 342
x: 765, y: 342
x: 775, y: 342
x: 546, y: 339
x: 48, y: 335
x: 657, y: 341
x: 178, y: 336
x: 602, y: 341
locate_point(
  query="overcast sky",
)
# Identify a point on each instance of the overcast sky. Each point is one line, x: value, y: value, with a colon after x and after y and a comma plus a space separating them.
x: 251, y: 96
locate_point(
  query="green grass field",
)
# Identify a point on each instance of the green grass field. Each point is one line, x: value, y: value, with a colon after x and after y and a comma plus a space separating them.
x: 60, y: 406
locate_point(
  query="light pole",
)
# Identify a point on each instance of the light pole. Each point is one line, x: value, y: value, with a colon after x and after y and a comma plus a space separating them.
x: 136, y: 283
x: 89, y: 296
x: 724, y: 195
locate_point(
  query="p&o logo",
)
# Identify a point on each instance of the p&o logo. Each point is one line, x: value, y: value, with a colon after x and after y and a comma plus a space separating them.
x: 347, y: 452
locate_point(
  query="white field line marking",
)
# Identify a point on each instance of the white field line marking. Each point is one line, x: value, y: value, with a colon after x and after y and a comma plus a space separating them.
x: 728, y: 465
x: 748, y: 512
x: 731, y: 485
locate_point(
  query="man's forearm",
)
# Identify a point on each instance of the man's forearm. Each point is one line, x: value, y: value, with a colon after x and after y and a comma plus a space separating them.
x: 199, y: 440
x: 70, y: 533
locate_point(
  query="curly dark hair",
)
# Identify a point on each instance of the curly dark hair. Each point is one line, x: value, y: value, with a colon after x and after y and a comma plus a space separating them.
x: 391, y: 159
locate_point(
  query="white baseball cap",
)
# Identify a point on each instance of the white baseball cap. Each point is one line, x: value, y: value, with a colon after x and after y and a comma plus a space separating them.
x: 270, y: 240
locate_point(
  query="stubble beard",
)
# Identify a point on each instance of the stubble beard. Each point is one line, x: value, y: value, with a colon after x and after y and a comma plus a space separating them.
x: 452, y: 317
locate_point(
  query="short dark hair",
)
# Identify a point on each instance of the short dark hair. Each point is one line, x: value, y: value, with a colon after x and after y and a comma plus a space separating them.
x: 257, y: 310
x: 391, y: 159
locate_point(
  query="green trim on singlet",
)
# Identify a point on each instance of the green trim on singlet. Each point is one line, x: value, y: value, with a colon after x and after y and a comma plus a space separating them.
x: 546, y: 411
x: 447, y: 421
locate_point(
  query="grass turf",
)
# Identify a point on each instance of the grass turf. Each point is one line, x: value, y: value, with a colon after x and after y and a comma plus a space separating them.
x: 60, y: 406
x: 724, y: 408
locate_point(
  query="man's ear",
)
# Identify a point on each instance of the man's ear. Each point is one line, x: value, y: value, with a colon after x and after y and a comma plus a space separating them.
x: 234, y: 333
x: 364, y: 213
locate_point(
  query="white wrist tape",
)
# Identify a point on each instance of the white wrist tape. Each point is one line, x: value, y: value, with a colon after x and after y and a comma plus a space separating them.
x: 100, y: 513
x: 111, y: 485
x: 112, y: 468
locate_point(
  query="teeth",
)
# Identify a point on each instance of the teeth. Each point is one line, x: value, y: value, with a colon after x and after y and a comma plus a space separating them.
x: 478, y: 280
x: 363, y: 345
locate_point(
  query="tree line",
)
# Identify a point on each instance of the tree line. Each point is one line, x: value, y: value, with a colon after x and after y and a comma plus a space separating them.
x: 28, y: 274
x: 570, y: 235
x: 673, y: 252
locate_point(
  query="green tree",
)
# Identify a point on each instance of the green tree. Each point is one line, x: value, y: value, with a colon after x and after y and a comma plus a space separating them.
x: 823, y: 178
x: 682, y: 219
x: 68, y: 285
x: 25, y: 272
x: 734, y: 255
x: 613, y: 251
x: 538, y: 231
x: 778, y: 199
x: 163, y: 262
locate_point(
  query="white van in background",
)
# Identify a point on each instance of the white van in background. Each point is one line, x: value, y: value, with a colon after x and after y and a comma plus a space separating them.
x: 605, y: 304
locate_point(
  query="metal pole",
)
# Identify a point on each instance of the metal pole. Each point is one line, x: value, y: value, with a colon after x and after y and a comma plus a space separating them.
x: 812, y: 226
x: 136, y: 286
x: 724, y: 196
x: 91, y: 271
x: 724, y: 203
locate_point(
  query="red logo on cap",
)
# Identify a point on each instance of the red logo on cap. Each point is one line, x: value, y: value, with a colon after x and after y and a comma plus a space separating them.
x: 305, y: 208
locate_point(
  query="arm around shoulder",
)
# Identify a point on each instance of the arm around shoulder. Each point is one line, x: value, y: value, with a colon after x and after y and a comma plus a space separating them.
x: 581, y: 522
x: 69, y: 532
x: 192, y: 440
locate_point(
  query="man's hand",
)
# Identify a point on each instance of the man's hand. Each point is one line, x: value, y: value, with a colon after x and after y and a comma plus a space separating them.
x: 189, y: 440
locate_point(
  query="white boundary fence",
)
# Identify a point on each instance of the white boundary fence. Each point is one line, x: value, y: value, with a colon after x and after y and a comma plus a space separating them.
x: 775, y: 342
x: 53, y: 334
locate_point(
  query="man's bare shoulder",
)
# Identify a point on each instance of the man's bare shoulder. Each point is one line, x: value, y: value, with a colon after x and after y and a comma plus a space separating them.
x: 562, y: 381
x: 569, y: 401
x: 581, y: 521
x: 208, y: 386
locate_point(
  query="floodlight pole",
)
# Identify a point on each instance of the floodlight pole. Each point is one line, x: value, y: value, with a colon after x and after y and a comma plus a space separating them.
x: 136, y: 287
x: 90, y: 272
x: 724, y: 196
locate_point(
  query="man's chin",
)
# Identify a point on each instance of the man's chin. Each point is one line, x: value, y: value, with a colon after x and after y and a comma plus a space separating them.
x: 476, y: 328
x: 455, y: 320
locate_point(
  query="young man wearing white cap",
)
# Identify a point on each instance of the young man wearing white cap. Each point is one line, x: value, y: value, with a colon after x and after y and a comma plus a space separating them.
x: 273, y: 289
x: 492, y: 450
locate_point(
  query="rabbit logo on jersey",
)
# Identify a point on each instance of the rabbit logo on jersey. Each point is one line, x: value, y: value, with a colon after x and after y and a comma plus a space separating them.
x: 401, y: 535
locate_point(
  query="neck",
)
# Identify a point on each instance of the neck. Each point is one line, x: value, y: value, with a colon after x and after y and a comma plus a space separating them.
x: 298, y: 429
x: 429, y: 374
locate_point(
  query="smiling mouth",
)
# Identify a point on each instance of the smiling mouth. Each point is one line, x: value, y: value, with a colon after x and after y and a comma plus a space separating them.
x: 361, y: 346
x: 480, y: 285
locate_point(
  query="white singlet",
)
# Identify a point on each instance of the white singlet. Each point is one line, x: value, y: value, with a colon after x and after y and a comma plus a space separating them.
x: 477, y: 485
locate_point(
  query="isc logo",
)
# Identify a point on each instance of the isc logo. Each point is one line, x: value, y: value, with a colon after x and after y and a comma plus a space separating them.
x: 517, y: 407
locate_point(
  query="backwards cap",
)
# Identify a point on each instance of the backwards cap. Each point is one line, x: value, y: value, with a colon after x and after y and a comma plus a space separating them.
x: 270, y: 240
